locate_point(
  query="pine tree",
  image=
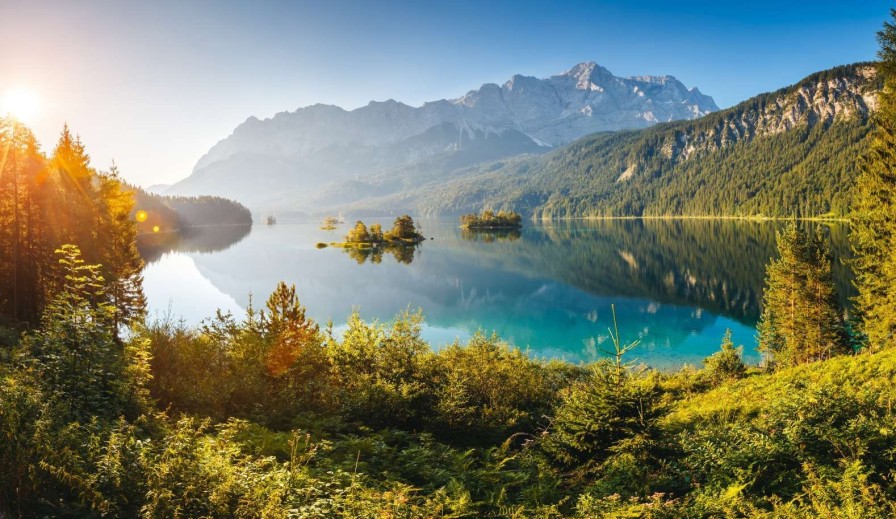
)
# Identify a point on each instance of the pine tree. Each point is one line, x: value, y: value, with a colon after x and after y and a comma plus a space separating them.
x: 873, y: 220
x: 801, y: 317
x: 77, y: 218
x: 282, y: 365
x: 45, y: 204
x: 86, y: 370
x: 376, y: 233
x: 122, y: 264
x: 727, y: 363
x: 403, y: 229
x: 358, y: 234
x: 25, y: 252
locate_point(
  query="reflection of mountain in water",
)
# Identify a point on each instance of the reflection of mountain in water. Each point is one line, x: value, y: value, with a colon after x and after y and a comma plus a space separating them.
x: 461, y: 290
x: 717, y: 265
x: 191, y: 239
x: 550, y: 287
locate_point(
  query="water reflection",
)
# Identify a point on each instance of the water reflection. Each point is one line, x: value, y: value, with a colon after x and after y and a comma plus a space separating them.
x: 401, y: 253
x: 677, y: 285
x: 152, y: 246
x: 716, y: 265
x: 490, y: 235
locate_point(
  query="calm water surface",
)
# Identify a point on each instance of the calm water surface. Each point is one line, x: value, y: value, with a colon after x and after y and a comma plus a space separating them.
x: 677, y: 284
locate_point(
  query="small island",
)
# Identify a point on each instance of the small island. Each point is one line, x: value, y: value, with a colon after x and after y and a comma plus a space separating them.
x: 363, y: 242
x: 489, y: 220
x: 329, y: 223
x: 403, y: 234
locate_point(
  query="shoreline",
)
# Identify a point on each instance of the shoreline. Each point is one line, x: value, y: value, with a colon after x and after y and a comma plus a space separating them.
x: 836, y: 219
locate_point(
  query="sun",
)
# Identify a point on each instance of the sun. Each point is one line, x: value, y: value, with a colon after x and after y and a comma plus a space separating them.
x: 20, y: 103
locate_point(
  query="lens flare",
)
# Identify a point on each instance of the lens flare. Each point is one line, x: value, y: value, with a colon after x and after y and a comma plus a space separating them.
x: 155, y: 228
x: 141, y: 216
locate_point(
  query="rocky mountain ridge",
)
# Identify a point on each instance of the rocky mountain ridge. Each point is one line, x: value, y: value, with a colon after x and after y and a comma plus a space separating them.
x: 791, y: 152
x: 820, y: 100
x: 322, y: 144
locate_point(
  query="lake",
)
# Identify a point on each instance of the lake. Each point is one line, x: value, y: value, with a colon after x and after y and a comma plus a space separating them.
x: 677, y: 285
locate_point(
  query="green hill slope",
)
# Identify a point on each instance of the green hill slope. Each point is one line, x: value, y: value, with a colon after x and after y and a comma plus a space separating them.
x: 786, y: 153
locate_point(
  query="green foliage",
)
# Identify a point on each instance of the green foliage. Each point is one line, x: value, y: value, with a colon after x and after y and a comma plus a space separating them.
x: 486, y: 390
x: 379, y: 371
x: 358, y: 234
x: 48, y: 202
x: 873, y: 226
x: 770, y: 438
x: 84, y: 368
x: 271, y: 367
x: 403, y: 230
x: 376, y: 233
x: 801, y: 317
x: 727, y: 363
x: 21, y: 404
x: 723, y: 164
x: 849, y: 494
x: 607, y: 428
x: 490, y: 220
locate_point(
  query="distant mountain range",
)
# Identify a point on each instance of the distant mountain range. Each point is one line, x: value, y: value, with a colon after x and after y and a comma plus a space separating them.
x: 321, y: 156
x: 793, y: 152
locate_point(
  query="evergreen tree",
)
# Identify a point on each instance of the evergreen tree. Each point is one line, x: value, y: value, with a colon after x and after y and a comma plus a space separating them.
x: 122, y: 262
x: 801, y: 318
x: 358, y: 234
x: 727, y: 363
x: 376, y: 233
x: 85, y: 369
x: 279, y: 360
x: 25, y: 251
x: 874, y: 216
x: 403, y: 229
x: 608, y: 421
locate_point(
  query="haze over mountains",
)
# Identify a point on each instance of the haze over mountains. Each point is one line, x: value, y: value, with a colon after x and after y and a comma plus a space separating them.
x: 322, y: 156
x: 791, y: 152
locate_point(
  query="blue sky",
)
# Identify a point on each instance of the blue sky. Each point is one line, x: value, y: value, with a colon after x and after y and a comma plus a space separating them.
x: 155, y: 84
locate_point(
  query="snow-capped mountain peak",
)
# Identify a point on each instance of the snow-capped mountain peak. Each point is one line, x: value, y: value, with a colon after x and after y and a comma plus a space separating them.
x: 323, y: 143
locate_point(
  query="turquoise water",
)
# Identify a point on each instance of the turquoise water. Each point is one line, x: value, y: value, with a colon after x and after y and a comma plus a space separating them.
x: 676, y: 285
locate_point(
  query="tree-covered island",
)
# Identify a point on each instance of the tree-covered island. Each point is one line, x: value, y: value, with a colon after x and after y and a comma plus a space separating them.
x: 490, y: 220
x: 403, y: 234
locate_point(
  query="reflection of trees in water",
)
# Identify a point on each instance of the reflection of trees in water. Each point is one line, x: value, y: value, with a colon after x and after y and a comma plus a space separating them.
x: 490, y: 235
x: 401, y: 253
x: 191, y: 239
x: 718, y: 265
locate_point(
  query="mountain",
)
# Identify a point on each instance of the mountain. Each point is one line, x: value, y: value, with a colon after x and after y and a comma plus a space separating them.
x: 157, y: 189
x: 792, y: 152
x: 296, y: 157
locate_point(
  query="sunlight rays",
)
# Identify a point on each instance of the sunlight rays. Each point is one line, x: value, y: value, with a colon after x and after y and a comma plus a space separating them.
x: 21, y: 103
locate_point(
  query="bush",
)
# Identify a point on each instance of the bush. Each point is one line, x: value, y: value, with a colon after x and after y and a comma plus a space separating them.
x: 726, y: 364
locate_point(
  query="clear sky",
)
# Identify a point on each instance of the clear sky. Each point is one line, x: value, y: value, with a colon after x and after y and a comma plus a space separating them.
x: 154, y: 84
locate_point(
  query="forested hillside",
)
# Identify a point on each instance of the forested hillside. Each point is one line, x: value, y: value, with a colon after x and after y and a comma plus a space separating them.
x: 177, y: 213
x: 166, y: 223
x: 786, y: 153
